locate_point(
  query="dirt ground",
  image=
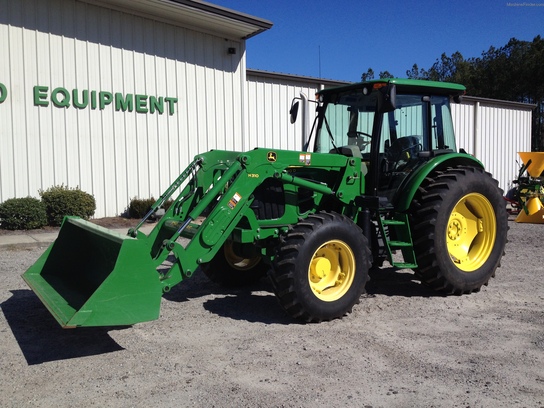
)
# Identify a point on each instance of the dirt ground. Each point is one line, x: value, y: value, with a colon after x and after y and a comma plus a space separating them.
x: 403, y: 346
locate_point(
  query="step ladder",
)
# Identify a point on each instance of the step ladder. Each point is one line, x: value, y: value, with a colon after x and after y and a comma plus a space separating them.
x: 396, y: 225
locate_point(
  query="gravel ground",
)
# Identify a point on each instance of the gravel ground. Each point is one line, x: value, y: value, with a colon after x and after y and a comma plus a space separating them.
x: 403, y: 346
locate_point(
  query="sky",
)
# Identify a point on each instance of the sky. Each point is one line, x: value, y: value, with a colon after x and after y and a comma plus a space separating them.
x: 341, y: 39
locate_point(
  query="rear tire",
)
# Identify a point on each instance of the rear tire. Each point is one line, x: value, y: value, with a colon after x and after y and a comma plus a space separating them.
x: 321, y: 268
x: 227, y: 268
x: 459, y: 223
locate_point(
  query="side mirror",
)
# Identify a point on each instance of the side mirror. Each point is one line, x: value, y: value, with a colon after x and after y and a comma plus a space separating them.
x: 293, y: 112
x: 387, y: 98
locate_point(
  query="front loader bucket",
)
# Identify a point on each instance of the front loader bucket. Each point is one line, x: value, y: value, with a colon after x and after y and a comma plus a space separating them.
x: 91, y: 276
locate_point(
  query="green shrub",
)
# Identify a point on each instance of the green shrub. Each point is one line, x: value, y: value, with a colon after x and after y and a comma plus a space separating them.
x: 22, y: 213
x: 139, y: 207
x: 61, y: 201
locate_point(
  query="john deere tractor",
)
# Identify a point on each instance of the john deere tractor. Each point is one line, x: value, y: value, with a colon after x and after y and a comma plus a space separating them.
x: 379, y: 180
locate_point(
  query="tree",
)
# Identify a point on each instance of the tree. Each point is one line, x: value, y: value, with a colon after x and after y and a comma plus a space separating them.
x: 514, y: 72
x: 368, y: 75
x: 386, y: 74
x: 451, y: 69
x: 415, y: 73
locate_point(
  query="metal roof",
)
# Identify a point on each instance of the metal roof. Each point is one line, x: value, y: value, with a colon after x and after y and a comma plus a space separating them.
x: 280, y: 76
x: 193, y: 14
x: 499, y: 102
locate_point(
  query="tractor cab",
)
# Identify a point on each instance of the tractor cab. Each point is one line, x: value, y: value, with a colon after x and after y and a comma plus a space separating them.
x: 393, y: 125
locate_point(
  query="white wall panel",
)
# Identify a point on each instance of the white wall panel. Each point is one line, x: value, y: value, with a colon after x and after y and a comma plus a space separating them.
x: 463, y: 123
x: 269, y: 101
x: 494, y: 132
x: 114, y: 154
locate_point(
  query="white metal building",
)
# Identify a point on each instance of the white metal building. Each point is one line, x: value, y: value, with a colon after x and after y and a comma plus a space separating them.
x: 269, y: 97
x: 494, y: 132
x: 117, y: 96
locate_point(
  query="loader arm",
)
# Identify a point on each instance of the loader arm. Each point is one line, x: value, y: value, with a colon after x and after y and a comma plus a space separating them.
x: 94, y: 277
x: 228, y: 201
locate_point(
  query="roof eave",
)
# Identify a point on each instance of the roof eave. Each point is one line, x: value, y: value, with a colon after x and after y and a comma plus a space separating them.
x: 194, y: 14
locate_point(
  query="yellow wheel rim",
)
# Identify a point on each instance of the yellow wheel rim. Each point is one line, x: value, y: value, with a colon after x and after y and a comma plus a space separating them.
x: 239, y: 262
x: 471, y: 232
x: 331, y: 270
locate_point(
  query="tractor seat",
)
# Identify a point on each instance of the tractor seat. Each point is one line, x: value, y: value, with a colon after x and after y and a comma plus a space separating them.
x: 404, y: 148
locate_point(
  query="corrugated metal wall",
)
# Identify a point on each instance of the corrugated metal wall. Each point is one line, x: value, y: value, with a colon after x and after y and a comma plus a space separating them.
x: 114, y: 154
x: 494, y: 132
x: 269, y: 98
x: 269, y: 101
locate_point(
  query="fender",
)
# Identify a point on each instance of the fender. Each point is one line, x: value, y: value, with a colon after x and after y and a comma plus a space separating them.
x: 406, y: 192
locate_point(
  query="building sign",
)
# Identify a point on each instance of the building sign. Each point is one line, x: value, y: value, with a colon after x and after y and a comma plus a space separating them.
x: 63, y: 98
x: 3, y: 92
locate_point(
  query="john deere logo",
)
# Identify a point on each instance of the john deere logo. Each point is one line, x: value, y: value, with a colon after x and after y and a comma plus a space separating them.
x: 272, y: 156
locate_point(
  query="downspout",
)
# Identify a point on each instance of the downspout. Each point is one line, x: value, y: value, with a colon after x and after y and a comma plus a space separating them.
x: 477, y: 129
x: 304, y: 124
x: 243, y: 94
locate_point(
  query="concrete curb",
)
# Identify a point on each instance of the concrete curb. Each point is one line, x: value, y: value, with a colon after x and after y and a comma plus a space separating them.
x: 44, y: 239
x: 26, y: 241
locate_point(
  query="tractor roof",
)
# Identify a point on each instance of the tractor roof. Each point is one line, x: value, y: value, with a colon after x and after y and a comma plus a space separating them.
x: 405, y: 86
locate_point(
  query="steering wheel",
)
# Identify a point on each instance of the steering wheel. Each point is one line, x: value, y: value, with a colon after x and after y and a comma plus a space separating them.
x: 359, y: 134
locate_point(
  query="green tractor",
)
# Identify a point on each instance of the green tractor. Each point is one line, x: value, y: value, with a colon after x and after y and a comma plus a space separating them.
x: 379, y: 180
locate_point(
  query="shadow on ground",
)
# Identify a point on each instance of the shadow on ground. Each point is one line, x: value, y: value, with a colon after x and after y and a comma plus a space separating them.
x: 252, y: 303
x: 257, y: 303
x: 42, y: 340
x: 389, y: 281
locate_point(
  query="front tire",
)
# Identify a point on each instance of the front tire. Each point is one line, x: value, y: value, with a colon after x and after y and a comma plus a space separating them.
x: 321, y: 268
x: 459, y: 223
